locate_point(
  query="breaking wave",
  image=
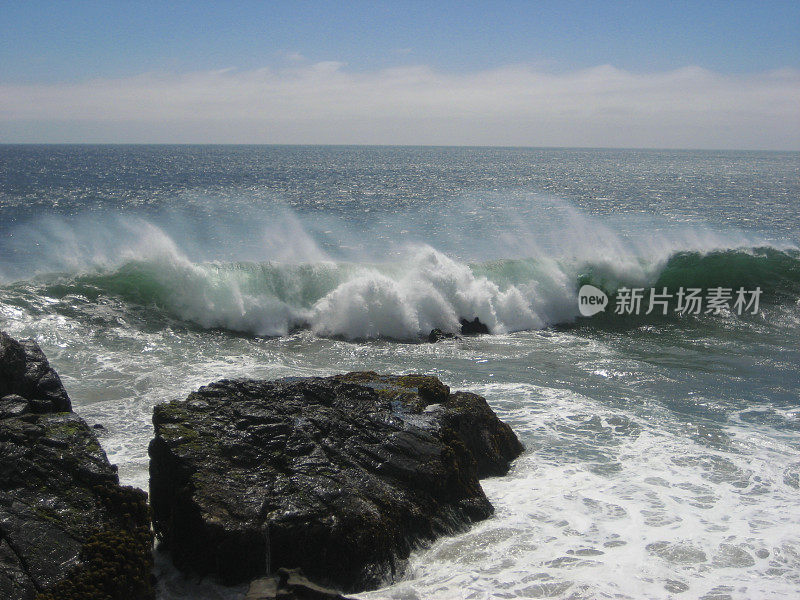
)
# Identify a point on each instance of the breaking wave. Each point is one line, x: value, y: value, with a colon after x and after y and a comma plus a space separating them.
x: 403, y: 299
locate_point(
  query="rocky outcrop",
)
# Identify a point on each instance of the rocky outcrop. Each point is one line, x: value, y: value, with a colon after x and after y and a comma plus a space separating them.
x: 25, y: 372
x: 340, y: 476
x: 474, y: 327
x: 68, y: 530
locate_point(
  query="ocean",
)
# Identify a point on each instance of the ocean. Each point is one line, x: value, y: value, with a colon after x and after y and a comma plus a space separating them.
x: 663, y: 450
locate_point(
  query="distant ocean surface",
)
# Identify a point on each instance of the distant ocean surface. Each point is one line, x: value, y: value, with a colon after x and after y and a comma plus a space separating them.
x: 663, y: 451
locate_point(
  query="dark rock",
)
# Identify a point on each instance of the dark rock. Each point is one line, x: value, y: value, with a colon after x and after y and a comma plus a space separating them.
x: 474, y: 327
x: 340, y: 476
x: 24, y: 371
x: 68, y: 530
x: 437, y: 335
x: 14, y: 406
x: 490, y: 441
x: 289, y: 584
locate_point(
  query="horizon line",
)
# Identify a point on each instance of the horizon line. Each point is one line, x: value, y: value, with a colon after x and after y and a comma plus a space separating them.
x: 368, y: 145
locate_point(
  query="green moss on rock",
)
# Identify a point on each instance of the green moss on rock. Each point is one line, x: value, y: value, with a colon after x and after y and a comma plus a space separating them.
x: 75, y: 532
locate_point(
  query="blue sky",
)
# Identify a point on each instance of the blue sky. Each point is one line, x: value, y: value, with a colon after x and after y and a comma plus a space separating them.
x: 64, y: 41
x: 56, y: 50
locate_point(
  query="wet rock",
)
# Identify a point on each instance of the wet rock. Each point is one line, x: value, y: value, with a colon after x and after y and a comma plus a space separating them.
x: 25, y: 372
x: 436, y: 335
x: 289, y: 584
x: 474, y: 327
x: 68, y: 530
x: 340, y: 476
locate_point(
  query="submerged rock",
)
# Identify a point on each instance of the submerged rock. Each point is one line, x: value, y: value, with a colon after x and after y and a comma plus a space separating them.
x: 474, y: 327
x: 68, y: 530
x: 437, y: 335
x: 340, y: 476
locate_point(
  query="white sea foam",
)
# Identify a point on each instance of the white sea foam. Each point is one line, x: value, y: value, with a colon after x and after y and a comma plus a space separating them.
x: 619, y: 504
x: 410, y: 288
x: 608, y: 500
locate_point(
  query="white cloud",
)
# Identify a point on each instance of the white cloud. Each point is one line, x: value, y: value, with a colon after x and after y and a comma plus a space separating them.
x: 327, y: 103
x: 294, y: 57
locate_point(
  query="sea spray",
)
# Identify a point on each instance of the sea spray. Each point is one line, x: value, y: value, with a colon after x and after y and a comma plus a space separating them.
x: 662, y: 451
x: 265, y: 272
x: 401, y: 300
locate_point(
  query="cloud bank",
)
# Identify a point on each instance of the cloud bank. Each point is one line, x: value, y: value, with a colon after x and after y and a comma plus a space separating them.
x: 325, y: 103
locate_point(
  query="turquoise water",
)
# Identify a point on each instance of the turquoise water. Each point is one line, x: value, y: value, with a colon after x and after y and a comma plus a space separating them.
x: 663, y: 452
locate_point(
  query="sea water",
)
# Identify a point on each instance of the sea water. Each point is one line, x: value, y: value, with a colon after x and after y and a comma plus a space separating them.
x: 662, y: 451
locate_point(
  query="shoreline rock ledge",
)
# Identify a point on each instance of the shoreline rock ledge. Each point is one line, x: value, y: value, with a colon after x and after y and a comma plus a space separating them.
x: 68, y: 530
x: 339, y: 476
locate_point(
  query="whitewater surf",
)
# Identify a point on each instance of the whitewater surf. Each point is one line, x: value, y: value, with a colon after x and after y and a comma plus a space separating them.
x: 663, y: 450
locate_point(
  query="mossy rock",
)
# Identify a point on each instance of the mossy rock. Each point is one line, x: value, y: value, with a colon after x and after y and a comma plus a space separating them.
x: 67, y: 527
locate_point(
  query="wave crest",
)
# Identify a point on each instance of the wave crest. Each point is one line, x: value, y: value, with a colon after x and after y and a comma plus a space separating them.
x: 407, y: 298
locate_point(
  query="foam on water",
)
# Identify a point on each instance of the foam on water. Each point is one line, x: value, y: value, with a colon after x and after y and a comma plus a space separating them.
x: 402, y: 294
x: 610, y: 504
x: 662, y: 460
x: 623, y: 499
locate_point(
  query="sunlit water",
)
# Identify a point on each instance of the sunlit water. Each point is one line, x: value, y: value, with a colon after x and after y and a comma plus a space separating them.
x: 663, y: 454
